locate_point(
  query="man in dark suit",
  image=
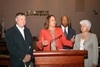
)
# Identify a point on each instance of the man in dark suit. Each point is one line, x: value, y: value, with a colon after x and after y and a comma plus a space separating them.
x: 19, y: 43
x: 68, y: 31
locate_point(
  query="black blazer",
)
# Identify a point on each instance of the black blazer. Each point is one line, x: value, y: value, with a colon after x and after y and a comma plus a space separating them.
x: 17, y: 46
x: 71, y: 33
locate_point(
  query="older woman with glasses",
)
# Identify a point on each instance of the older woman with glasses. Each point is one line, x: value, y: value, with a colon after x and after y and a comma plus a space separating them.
x: 87, y: 41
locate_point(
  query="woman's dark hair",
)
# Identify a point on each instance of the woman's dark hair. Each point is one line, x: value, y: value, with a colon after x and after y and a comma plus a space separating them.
x: 46, y: 24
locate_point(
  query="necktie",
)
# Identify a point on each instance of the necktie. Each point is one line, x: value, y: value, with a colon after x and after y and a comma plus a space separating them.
x: 65, y: 33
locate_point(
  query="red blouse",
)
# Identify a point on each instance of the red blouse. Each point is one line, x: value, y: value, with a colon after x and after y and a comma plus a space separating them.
x: 59, y: 39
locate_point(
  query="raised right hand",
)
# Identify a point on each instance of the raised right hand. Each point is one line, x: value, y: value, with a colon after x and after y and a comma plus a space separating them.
x: 45, y: 42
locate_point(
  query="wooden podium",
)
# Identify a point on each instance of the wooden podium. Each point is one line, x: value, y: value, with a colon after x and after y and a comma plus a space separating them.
x: 63, y: 58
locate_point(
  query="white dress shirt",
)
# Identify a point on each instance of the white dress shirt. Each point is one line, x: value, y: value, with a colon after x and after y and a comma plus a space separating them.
x: 64, y: 28
x: 21, y: 31
x: 82, y: 44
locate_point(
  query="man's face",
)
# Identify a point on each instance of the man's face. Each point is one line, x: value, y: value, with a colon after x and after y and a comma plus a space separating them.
x: 21, y: 20
x: 64, y: 21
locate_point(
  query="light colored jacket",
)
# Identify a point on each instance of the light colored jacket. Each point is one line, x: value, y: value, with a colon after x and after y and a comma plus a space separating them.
x: 91, y: 45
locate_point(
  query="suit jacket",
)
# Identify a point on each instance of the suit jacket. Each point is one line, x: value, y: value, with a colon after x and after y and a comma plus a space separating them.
x: 91, y: 45
x: 71, y: 33
x: 59, y: 37
x: 17, y: 46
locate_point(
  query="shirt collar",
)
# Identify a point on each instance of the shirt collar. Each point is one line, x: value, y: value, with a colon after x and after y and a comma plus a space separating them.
x: 64, y: 27
x: 20, y: 27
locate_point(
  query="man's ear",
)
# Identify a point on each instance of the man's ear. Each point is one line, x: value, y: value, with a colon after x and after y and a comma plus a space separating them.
x: 15, y: 19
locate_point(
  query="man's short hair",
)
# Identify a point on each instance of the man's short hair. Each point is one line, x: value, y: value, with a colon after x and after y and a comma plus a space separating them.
x: 20, y: 13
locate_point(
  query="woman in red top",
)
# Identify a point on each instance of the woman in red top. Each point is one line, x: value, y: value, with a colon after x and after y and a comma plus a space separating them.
x: 52, y: 37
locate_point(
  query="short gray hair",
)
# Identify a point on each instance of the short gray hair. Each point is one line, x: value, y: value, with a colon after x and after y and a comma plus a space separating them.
x: 86, y: 22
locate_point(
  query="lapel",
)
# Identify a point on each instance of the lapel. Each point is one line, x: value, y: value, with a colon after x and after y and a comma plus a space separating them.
x: 88, y: 38
x: 78, y: 42
x: 86, y: 41
x: 26, y: 34
x: 69, y: 31
x: 19, y: 33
